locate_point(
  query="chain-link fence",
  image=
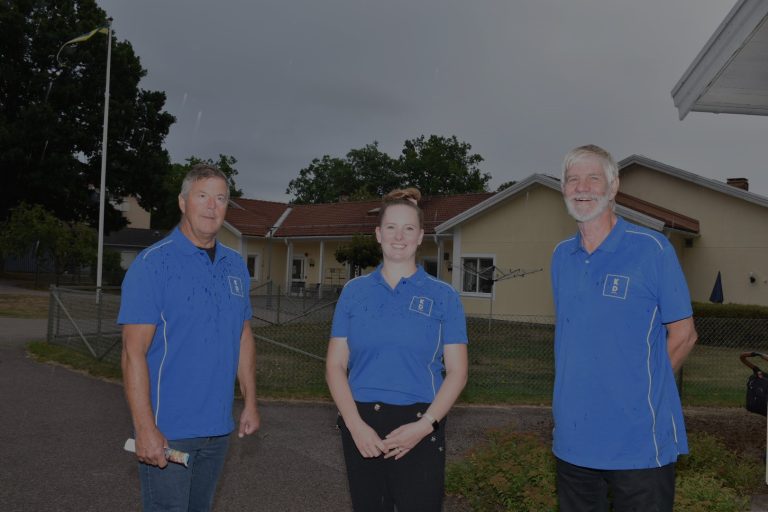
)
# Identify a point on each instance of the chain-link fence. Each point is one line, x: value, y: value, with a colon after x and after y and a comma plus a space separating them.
x: 511, y: 358
x: 713, y: 374
x: 80, y: 319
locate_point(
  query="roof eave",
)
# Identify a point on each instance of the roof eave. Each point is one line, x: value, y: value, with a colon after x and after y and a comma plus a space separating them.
x: 729, y: 38
x: 709, y: 183
x: 233, y: 229
x: 639, y: 218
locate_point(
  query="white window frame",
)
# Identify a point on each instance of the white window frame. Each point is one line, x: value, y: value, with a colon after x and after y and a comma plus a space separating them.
x: 475, y: 256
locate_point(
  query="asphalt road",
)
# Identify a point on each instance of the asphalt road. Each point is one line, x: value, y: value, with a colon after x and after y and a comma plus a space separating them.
x: 61, y: 438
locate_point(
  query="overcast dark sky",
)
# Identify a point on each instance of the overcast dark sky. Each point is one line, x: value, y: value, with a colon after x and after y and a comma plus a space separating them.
x: 277, y: 83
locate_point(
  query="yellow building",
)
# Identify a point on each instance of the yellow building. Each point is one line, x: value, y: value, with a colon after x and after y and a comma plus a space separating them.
x: 495, y: 248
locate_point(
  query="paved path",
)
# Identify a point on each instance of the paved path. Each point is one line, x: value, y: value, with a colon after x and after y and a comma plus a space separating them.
x: 61, y: 437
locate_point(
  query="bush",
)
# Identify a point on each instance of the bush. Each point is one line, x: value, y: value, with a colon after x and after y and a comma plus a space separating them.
x: 705, y: 309
x: 516, y: 472
x: 710, y: 457
x: 697, y: 492
x: 511, y: 472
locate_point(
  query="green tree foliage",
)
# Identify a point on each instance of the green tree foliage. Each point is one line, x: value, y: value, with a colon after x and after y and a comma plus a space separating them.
x: 505, y: 185
x: 435, y: 165
x: 364, y: 173
x: 325, y: 180
x: 439, y: 166
x: 375, y: 172
x: 51, y: 115
x: 166, y: 214
x: 361, y: 252
x: 32, y: 227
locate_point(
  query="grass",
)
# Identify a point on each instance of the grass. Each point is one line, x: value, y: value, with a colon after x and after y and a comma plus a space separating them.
x: 24, y: 306
x: 49, y: 353
x: 714, y: 376
x: 510, y: 363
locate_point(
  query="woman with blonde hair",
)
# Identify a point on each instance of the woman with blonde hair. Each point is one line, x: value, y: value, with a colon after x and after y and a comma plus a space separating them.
x: 397, y: 361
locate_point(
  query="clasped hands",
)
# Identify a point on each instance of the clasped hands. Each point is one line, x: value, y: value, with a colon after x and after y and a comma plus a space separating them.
x: 396, y: 444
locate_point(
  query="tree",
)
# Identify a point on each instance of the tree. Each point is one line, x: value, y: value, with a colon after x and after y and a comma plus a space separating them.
x: 506, y: 185
x: 361, y: 252
x: 325, y: 180
x: 33, y: 228
x: 440, y: 166
x: 51, y: 115
x: 166, y: 214
x: 375, y: 172
x: 437, y: 166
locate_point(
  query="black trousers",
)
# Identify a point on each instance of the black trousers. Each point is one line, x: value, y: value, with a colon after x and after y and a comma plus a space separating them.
x: 415, y: 483
x: 582, y: 489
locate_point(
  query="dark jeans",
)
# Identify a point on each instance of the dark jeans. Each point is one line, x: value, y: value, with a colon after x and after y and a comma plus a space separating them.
x: 582, y: 489
x: 415, y: 483
x: 178, y: 489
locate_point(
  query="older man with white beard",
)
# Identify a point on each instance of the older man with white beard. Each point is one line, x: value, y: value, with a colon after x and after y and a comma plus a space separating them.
x: 623, y: 327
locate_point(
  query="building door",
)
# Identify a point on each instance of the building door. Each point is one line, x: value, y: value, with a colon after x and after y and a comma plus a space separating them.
x: 430, y: 266
x: 298, y: 275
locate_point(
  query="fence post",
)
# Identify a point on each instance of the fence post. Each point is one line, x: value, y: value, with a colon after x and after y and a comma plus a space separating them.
x: 52, y: 304
x: 56, y: 296
x: 277, y: 320
x: 99, y: 300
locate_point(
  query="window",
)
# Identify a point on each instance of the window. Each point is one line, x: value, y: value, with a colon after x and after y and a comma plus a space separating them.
x: 477, y: 275
x: 253, y: 266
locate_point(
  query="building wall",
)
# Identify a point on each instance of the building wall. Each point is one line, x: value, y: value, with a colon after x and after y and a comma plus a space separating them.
x: 733, y: 235
x: 137, y: 216
x: 519, y: 233
x: 270, y: 255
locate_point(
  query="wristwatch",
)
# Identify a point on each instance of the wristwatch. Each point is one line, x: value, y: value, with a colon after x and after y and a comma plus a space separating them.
x: 435, y: 423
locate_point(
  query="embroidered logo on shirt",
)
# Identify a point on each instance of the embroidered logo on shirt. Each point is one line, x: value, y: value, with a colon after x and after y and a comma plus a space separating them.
x: 236, y: 285
x: 616, y: 286
x: 421, y: 305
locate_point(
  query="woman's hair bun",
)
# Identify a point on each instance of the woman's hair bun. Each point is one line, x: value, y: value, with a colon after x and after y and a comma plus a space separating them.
x: 406, y: 194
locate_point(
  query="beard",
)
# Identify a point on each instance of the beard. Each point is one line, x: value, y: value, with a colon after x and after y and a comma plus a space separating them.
x: 599, y: 207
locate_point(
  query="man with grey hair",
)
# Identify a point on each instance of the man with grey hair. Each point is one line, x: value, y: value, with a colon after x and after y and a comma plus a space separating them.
x: 623, y: 327
x: 185, y: 313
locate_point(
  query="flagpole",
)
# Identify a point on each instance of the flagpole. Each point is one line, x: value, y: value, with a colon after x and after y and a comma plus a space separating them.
x: 102, y: 189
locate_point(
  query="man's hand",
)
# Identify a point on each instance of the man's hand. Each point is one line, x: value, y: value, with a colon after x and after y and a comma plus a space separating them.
x: 150, y: 447
x: 249, y: 421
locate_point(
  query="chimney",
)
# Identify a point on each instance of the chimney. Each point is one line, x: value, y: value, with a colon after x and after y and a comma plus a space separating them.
x: 742, y: 183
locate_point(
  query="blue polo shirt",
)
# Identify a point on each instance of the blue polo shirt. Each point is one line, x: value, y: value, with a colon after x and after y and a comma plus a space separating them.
x: 396, y: 336
x: 615, y: 403
x: 198, y: 308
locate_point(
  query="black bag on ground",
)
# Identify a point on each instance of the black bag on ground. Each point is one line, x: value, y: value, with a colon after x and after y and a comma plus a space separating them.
x: 757, y: 392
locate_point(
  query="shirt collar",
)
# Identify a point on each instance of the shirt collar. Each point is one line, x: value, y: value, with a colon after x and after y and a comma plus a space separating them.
x: 611, y: 242
x: 417, y: 279
x: 187, y: 247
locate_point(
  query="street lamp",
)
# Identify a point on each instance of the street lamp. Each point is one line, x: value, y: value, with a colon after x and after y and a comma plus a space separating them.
x: 102, y: 190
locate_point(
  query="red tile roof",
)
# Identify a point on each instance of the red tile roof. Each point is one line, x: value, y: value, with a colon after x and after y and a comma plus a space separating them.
x: 338, y: 219
x: 254, y: 217
x: 670, y: 218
